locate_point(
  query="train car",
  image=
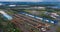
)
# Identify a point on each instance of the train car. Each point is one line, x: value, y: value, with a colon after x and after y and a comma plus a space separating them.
x: 40, y: 18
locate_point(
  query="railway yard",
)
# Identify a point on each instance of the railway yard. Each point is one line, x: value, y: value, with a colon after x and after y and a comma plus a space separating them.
x: 31, y: 24
x: 29, y: 19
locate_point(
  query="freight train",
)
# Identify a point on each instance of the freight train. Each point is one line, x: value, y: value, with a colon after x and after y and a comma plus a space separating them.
x: 40, y: 18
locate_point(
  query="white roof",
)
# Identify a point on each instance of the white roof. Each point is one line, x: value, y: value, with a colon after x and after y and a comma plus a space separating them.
x: 1, y: 4
x: 2, y: 12
x: 12, y: 5
x: 52, y: 21
x: 47, y: 20
x: 6, y: 15
x: 43, y: 29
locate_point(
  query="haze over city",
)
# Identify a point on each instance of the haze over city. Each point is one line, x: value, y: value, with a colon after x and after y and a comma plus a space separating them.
x: 32, y: 0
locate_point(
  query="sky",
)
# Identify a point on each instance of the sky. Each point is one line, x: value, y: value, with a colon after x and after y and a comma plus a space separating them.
x: 33, y: 0
x: 24, y: 0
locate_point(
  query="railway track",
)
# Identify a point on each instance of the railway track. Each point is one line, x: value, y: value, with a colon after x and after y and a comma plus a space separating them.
x: 16, y: 21
x: 32, y: 20
x: 29, y: 21
x: 19, y: 19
